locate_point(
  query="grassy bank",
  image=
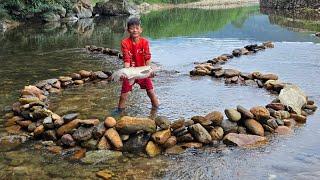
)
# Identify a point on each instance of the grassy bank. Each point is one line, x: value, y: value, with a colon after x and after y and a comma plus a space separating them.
x: 163, y: 1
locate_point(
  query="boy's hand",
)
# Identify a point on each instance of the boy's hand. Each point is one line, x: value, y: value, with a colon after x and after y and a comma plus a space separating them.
x: 123, y: 77
x: 152, y: 75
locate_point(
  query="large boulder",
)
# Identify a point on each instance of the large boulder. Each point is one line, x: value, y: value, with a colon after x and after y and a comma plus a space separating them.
x: 114, y: 8
x: 200, y: 133
x: 83, y: 9
x: 129, y: 125
x: 244, y: 140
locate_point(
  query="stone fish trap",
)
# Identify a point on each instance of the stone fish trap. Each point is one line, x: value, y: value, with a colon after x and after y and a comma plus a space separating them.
x: 244, y: 128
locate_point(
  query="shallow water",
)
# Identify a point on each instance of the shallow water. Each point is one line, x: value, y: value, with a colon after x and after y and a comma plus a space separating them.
x: 178, y: 38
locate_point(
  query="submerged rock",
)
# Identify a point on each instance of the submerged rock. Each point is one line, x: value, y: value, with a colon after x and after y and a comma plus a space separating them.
x: 99, y: 156
x: 136, y: 143
x: 244, y: 140
x: 229, y: 126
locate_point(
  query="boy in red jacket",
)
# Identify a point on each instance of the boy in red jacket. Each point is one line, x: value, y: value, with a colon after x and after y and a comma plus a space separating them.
x: 135, y: 50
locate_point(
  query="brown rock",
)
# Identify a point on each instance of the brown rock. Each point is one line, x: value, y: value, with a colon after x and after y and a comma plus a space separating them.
x: 276, y: 106
x: 254, y: 126
x: 283, y: 130
x: 260, y: 113
x: 79, y: 154
x: 129, y: 125
x: 215, y: 117
x: 67, y: 128
x: 174, y: 150
x: 202, y: 120
x: 75, y: 76
x: 78, y: 82
x: 113, y: 136
x: 105, y: 174
x: 152, y: 149
x: 216, y: 133
x: 200, y: 133
x: 24, y: 123
x: 92, y: 122
x: 231, y: 72
x: 219, y: 73
x: 13, y: 121
x: 170, y: 142
x: 245, y: 112
x: 55, y: 149
x: 312, y: 107
x: 299, y: 118
x: 68, y: 140
x: 65, y: 78
x: 161, y: 137
x: 266, y: 77
x: 103, y: 143
x: 39, y: 130
x: 195, y: 145
x: 177, y: 124
x: 15, y: 129
x: 188, y: 123
x: 32, y: 91
x: 185, y: 138
x: 289, y: 123
x: 232, y: 114
x: 110, y: 122
x: 244, y: 140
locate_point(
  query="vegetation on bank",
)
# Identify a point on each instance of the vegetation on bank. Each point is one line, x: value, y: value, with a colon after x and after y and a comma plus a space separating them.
x: 163, y: 1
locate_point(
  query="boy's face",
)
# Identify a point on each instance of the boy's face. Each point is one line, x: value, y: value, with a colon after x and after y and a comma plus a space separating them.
x: 135, y: 31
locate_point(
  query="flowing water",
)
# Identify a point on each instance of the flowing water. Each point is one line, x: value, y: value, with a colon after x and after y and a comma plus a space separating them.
x: 178, y: 38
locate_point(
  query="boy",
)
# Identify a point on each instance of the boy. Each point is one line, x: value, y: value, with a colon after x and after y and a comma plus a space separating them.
x: 135, y: 50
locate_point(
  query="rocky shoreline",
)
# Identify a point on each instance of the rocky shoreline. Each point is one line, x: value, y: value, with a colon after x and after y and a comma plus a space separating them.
x: 95, y: 140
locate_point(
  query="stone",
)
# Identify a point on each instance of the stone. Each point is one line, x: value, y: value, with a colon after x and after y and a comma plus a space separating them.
x: 55, y: 149
x: 129, y: 125
x: 236, y: 52
x: 200, y: 133
x: 246, y: 76
x: 98, y: 131
x: 250, y: 82
x: 105, y: 174
x: 32, y: 91
x: 79, y: 154
x: 39, y: 130
x: 231, y: 72
x: 101, y: 75
x: 244, y: 51
x: 136, y: 143
x: 259, y: 83
x: 58, y: 122
x: 90, y: 144
x: 280, y: 122
x: 68, y: 140
x: 162, y: 122
x: 103, y: 143
x: 266, y: 77
x: 84, y: 73
x: 185, y: 138
x: 170, y: 142
x: 245, y: 112
x: 65, y: 78
x: 312, y: 107
x: 94, y: 157
x: 283, y: 130
x: 233, y: 115
x: 24, y: 124
x: 268, y: 44
x: 15, y: 129
x: 289, y: 123
x: 177, y: 124
x: 67, y: 128
x: 110, y: 122
x: 215, y: 117
x: 299, y: 118
x: 276, y: 106
x: 174, y: 150
x: 43, y: 83
x: 50, y: 135
x: 267, y: 128
x: 124, y: 137
x: 160, y: 137
x: 82, y: 134
x: 48, y: 122
x: 114, y: 138
x: 57, y: 85
x: 188, y: 123
x: 244, y: 140
x: 89, y: 122
x: 32, y: 127
x: 254, y: 127
x: 75, y: 76
x: 284, y: 114
x: 219, y: 73
x: 272, y: 123
x: 153, y: 149
x: 13, y: 121
x: 242, y: 130
x: 195, y: 145
x: 202, y: 120
x: 260, y: 113
x: 229, y: 126
x: 29, y: 100
x: 78, y: 82
x: 39, y: 112
x: 69, y: 117
x: 216, y: 133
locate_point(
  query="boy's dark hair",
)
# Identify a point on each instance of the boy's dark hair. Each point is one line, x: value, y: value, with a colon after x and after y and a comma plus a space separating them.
x: 133, y: 21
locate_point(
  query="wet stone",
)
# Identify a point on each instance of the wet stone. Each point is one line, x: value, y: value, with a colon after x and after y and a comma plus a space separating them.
x: 50, y: 135
x: 218, y: 73
x: 170, y: 142
x: 100, y: 156
x: 177, y: 124
x: 280, y: 122
x: 103, y: 143
x: 245, y: 112
x: 233, y: 115
x: 195, y: 145
x: 101, y: 75
x: 200, y: 133
x: 231, y: 73
x: 272, y: 123
x: 276, y: 106
x: 69, y: 117
x: 110, y: 122
x: 188, y: 123
x: 32, y: 127
x: 48, y: 123
x: 174, y: 150
x: 162, y: 122
x: 216, y: 133
x: 90, y: 144
x: 215, y: 117
x: 113, y: 136
x: 129, y: 125
x: 254, y: 127
x: 84, y: 73
x: 202, y: 120
x: 98, y: 131
x: 299, y: 118
x: 68, y: 140
x: 160, y: 137
x: 136, y: 143
x: 185, y: 138
x: 244, y: 140
x: 268, y: 128
x: 229, y: 126
x: 82, y: 134
x: 261, y: 113
x: 283, y: 130
x: 153, y: 149
x: 75, y: 76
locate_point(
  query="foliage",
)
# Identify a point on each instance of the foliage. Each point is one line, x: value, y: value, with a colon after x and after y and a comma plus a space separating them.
x: 163, y: 1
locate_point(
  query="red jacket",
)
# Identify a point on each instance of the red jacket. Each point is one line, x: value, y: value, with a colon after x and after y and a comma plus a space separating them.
x: 138, y: 52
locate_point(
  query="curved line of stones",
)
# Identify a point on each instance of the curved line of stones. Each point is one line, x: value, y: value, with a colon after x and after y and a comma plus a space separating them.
x: 31, y: 114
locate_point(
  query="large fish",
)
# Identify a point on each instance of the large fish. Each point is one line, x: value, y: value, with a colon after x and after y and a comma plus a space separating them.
x: 133, y: 73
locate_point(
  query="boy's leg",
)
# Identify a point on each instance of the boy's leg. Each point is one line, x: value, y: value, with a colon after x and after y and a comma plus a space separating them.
x: 122, y: 100
x: 153, y: 97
